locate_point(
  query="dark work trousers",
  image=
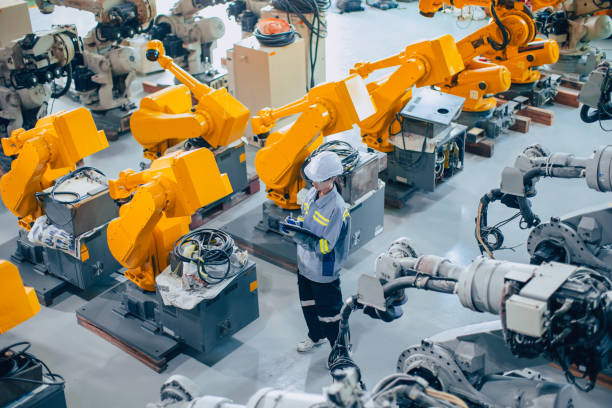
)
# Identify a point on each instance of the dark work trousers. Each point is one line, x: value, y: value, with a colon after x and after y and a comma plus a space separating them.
x: 321, y: 304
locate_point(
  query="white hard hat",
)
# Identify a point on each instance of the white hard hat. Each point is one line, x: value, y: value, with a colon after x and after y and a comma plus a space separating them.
x: 323, y: 166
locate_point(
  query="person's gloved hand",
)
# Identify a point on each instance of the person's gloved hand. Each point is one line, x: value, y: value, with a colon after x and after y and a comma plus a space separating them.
x: 290, y: 221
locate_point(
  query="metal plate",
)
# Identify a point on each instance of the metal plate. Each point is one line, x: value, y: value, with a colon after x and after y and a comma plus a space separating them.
x: 433, y: 106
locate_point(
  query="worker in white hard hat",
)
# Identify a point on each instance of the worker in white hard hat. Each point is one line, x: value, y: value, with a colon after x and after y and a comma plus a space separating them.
x: 322, y: 250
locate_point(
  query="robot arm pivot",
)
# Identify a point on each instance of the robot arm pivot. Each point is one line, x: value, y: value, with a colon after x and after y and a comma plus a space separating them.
x: 164, y: 198
x: 45, y: 153
x: 218, y: 117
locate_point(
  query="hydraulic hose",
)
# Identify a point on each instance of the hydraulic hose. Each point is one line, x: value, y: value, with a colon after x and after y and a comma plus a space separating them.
x: 61, y: 93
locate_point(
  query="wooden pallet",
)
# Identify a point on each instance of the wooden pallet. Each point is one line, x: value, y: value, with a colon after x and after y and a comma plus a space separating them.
x: 538, y: 115
x: 481, y: 144
x: 567, y: 97
x: 207, y: 214
x: 154, y: 364
x: 521, y: 124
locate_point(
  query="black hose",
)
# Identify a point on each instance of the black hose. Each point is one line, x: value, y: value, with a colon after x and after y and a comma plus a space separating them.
x: 275, y: 40
x: 67, y: 177
x: 504, y: 31
x: 587, y: 116
x: 529, y: 218
x: 64, y: 90
x: 13, y: 363
x: 212, y: 247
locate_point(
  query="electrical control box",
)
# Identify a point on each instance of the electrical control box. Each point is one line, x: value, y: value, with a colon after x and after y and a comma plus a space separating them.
x: 266, y: 77
x: 14, y: 20
x: 430, y: 148
x: 314, y: 46
x: 525, y: 315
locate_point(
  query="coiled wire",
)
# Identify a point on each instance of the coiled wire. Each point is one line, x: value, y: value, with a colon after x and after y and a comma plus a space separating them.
x: 275, y: 40
x: 208, y: 249
x: 13, y: 363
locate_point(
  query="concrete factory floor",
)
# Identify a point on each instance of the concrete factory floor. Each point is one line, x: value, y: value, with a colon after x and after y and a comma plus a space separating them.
x: 263, y: 354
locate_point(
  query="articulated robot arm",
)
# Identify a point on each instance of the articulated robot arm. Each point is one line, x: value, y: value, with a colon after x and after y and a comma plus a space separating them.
x: 554, y: 310
x: 27, y: 66
x: 420, y: 64
x: 596, y: 95
x: 163, y: 198
x: 165, y: 118
x: 337, y: 106
x: 512, y: 54
x: 507, y: 41
x: 103, y: 77
x: 536, y: 161
x: 573, y: 24
x: 116, y: 18
x: 44, y: 154
x: 580, y: 238
x: 188, y: 37
x: 326, y: 109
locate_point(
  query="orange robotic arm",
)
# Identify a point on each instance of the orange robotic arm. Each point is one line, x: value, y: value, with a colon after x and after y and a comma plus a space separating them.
x: 338, y: 106
x: 327, y: 109
x: 421, y: 64
x: 164, y: 198
x: 45, y: 153
x: 506, y: 41
x: 17, y: 302
x: 165, y: 118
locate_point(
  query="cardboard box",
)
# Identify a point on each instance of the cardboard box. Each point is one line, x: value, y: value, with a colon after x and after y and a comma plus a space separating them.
x: 14, y: 20
x: 304, y: 32
x: 266, y: 77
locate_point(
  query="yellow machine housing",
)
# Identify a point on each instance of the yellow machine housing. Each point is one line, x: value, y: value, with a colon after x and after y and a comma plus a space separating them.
x: 326, y: 109
x: 337, y: 106
x: 476, y: 78
x: 18, y: 303
x: 45, y: 153
x: 167, y: 118
x: 163, y: 199
x: 519, y: 55
x: 421, y: 64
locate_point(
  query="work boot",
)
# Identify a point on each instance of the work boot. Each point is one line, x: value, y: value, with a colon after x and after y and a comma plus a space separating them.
x: 307, y: 345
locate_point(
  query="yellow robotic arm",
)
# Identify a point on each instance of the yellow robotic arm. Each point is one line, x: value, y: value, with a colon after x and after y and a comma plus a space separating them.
x: 165, y: 118
x: 163, y: 199
x: 337, y: 106
x: 18, y: 303
x: 326, y: 109
x: 45, y: 153
x: 420, y: 64
x: 506, y: 41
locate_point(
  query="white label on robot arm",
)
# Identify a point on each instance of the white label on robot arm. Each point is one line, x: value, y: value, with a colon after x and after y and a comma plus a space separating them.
x: 364, y: 107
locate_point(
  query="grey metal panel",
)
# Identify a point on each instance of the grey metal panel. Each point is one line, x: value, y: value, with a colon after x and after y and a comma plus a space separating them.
x: 83, y: 216
x: 547, y: 280
x: 214, y: 320
x: 433, y: 106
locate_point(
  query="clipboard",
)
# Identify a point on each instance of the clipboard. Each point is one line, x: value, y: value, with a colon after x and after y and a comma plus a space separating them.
x: 298, y: 229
